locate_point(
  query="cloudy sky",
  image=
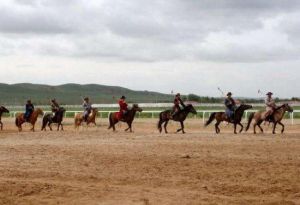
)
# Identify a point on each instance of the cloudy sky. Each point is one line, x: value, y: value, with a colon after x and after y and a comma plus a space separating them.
x: 188, y: 46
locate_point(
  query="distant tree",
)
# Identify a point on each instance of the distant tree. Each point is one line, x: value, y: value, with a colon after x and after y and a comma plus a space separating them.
x: 193, y: 97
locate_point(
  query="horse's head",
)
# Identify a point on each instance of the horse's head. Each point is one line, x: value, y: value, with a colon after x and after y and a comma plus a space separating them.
x: 191, y: 109
x: 245, y: 107
x: 287, y: 107
x: 61, y: 110
x: 3, y: 109
x: 39, y: 111
x: 94, y: 110
x: 136, y: 108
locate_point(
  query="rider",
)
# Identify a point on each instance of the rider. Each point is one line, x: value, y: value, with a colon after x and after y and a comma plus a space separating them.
x: 54, y: 107
x: 123, y: 106
x: 29, y: 108
x: 87, y: 108
x: 230, y: 106
x: 270, y: 106
x: 177, y: 102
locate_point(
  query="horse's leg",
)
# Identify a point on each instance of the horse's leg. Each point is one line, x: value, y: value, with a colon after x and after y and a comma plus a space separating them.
x: 165, y: 126
x: 242, y: 127
x: 160, y: 125
x: 182, y: 127
x: 217, y: 127
x: 113, y: 125
x: 259, y: 125
x: 1, y: 124
x: 274, y: 128
x: 235, y: 128
x: 129, y: 125
x: 49, y: 125
x: 178, y: 130
x: 254, y: 127
x: 282, y: 130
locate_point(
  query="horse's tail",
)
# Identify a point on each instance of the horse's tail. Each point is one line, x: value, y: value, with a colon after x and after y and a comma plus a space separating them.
x: 17, y: 122
x: 110, y: 121
x: 45, y: 121
x: 250, y: 120
x: 211, y: 118
x: 160, y: 121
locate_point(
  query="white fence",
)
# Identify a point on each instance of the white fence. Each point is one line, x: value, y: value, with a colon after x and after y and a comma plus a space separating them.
x: 203, y: 113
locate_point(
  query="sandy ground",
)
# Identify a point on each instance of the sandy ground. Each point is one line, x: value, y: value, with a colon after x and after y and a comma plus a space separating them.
x: 96, y: 166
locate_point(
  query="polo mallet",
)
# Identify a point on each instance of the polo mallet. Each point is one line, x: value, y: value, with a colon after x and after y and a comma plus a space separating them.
x: 221, y: 91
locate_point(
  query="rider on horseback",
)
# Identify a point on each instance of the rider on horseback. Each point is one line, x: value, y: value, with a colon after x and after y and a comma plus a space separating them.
x: 87, y: 108
x: 29, y: 108
x: 177, y: 102
x: 54, y: 107
x: 123, y: 106
x: 270, y: 106
x: 230, y: 104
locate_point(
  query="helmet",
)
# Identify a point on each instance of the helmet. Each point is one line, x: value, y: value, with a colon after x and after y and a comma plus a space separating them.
x: 269, y: 93
x: 177, y: 95
x: 86, y: 99
x: 229, y: 94
x: 123, y: 97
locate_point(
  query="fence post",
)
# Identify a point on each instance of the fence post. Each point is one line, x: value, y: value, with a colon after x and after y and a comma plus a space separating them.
x: 203, y: 118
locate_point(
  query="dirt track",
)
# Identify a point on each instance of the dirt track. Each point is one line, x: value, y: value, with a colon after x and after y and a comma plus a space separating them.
x: 96, y: 166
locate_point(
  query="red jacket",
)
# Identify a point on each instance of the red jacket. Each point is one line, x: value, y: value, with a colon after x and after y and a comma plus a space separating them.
x: 123, y: 105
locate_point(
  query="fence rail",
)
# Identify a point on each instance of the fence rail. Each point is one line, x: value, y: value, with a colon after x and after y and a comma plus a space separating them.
x: 201, y: 114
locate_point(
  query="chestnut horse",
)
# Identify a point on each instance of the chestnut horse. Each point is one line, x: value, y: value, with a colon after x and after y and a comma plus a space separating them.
x: 221, y: 116
x: 180, y: 116
x: 2, y: 110
x: 91, y: 118
x: 129, y: 117
x: 32, y: 120
x: 277, y: 117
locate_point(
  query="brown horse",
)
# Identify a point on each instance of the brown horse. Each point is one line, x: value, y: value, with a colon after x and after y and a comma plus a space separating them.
x: 48, y: 119
x: 180, y: 116
x: 2, y: 110
x: 128, y: 118
x: 278, y: 115
x: 32, y: 120
x: 221, y: 116
x: 91, y: 118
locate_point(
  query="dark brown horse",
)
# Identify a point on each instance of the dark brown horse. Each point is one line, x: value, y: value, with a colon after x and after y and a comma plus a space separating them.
x: 165, y: 116
x: 277, y: 117
x: 221, y: 116
x: 32, y: 120
x: 48, y: 119
x: 91, y: 118
x: 2, y: 110
x: 128, y: 118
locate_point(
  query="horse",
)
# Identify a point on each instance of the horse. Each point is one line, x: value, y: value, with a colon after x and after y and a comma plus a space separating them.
x: 180, y: 116
x: 2, y: 110
x: 91, y: 118
x: 48, y: 119
x: 32, y: 120
x: 128, y: 118
x: 277, y: 116
x: 221, y: 116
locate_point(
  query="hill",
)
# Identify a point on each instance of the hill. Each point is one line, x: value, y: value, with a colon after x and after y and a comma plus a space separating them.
x: 17, y: 94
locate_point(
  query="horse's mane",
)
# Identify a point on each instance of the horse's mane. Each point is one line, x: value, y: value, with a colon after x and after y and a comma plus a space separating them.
x: 278, y: 108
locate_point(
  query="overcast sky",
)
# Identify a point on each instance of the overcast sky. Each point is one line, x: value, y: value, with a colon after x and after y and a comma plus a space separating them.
x: 188, y: 46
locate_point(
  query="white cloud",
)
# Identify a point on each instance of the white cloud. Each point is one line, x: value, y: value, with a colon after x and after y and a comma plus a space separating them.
x: 189, y: 46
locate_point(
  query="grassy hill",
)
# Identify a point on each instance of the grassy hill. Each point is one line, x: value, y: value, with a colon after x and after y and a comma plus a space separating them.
x: 70, y: 94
